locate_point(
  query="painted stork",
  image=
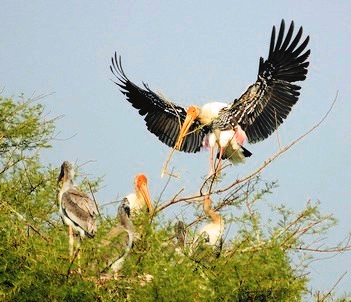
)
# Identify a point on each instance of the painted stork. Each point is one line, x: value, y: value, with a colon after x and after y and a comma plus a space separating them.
x: 77, y: 210
x: 213, y: 231
x: 125, y: 226
x: 256, y: 114
x: 141, y: 197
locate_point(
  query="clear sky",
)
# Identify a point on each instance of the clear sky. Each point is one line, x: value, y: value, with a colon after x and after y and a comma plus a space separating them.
x: 193, y: 53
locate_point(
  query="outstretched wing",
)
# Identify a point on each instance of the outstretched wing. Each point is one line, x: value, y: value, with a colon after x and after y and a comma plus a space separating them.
x: 162, y: 117
x: 266, y: 103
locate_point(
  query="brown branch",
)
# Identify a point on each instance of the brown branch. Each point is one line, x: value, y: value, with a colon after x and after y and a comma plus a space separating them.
x: 92, y: 194
x: 342, y: 247
x: 173, y: 201
x: 212, y: 178
x: 281, y: 151
x: 335, y: 249
x: 164, y: 188
x: 164, y: 169
x: 324, y: 297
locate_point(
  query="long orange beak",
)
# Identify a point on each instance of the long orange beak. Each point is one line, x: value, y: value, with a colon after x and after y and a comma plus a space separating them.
x: 191, y: 115
x: 141, y: 187
x: 144, y: 190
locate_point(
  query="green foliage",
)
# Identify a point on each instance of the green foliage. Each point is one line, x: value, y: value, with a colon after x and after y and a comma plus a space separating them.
x: 33, y: 243
x: 259, y: 263
x: 23, y: 128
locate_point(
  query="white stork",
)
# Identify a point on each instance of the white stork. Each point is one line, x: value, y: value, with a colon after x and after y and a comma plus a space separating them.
x: 213, y: 231
x: 256, y: 114
x: 125, y: 226
x: 77, y: 210
x: 141, y: 198
x: 230, y: 142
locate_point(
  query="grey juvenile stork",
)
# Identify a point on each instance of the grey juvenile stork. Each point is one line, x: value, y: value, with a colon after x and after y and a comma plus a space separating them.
x: 114, y: 241
x: 255, y: 115
x: 77, y: 210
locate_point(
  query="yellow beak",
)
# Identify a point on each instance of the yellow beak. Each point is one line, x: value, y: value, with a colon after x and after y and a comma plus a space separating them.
x: 146, y: 195
x: 191, y: 115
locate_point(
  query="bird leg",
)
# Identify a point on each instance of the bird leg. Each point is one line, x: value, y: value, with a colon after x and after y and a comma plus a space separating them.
x: 78, y: 253
x: 212, y: 143
x: 211, y: 161
x: 70, y: 241
x: 221, y: 151
x: 74, y: 254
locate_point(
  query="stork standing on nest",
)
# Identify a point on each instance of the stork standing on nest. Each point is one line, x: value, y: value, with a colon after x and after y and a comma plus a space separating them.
x: 77, y: 210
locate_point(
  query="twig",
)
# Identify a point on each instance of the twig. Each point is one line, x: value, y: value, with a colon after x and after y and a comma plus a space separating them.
x: 164, y: 188
x: 85, y: 163
x: 92, y: 194
x: 281, y: 151
x: 164, y: 169
x: 172, y: 201
x: 212, y: 178
x: 109, y: 203
x: 324, y: 297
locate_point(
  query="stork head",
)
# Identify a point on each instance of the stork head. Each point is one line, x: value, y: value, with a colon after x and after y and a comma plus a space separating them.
x: 124, y: 208
x: 67, y: 172
x: 124, y: 219
x: 192, y: 114
x: 140, y: 183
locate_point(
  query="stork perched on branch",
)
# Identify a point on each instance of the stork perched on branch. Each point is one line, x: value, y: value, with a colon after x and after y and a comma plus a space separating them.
x: 77, y: 210
x: 124, y: 227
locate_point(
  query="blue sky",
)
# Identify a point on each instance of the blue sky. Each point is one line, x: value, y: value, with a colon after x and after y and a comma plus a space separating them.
x: 193, y: 53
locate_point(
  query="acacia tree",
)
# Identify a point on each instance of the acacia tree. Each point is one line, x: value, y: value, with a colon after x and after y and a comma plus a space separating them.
x: 266, y: 260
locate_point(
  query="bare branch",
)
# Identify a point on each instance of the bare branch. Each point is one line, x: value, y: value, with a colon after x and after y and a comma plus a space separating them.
x: 328, y: 294
x: 281, y: 151
x: 92, y: 194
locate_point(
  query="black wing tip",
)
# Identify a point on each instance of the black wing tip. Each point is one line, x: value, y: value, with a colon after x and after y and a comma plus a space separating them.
x: 288, y: 53
x: 117, y: 69
x: 297, y: 38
